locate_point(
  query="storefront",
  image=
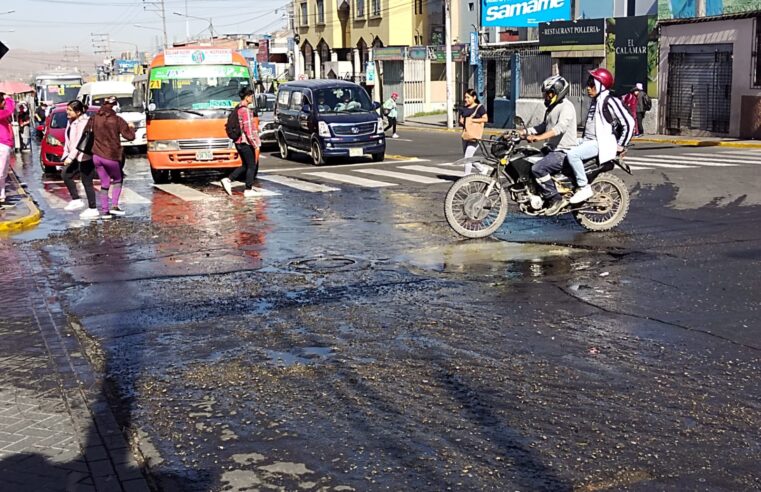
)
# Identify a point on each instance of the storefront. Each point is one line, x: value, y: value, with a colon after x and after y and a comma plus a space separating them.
x: 711, y: 77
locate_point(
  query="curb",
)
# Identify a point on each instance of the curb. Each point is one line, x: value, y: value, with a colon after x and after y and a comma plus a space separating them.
x: 26, y: 222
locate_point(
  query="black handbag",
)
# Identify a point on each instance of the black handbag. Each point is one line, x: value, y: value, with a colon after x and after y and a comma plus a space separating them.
x: 88, y: 139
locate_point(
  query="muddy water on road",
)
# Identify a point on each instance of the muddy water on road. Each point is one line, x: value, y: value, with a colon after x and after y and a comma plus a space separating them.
x: 354, y: 344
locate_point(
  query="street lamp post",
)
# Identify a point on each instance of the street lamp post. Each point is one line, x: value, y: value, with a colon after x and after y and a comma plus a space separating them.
x: 209, y: 20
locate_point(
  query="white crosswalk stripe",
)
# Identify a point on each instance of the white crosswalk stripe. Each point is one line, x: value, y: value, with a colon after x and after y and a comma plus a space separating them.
x: 257, y: 191
x: 689, y: 161
x: 649, y: 163
x: 416, y: 178
x: 185, y: 193
x: 129, y: 197
x: 436, y: 170
x: 725, y: 158
x: 298, y: 184
x: 355, y: 180
x: 742, y: 153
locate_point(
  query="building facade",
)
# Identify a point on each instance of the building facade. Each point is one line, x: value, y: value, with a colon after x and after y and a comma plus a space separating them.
x: 711, y: 76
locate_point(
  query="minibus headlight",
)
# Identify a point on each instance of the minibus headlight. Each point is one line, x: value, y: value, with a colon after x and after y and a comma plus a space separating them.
x: 322, y: 129
x: 163, y: 145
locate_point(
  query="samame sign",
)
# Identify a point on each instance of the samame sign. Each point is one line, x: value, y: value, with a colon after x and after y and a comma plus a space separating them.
x: 523, y: 13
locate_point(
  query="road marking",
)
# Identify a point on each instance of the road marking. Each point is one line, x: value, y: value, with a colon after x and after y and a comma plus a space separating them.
x: 403, y: 176
x: 130, y: 197
x: 436, y: 170
x: 240, y: 184
x: 637, y: 168
x: 298, y: 184
x: 688, y: 160
x: 339, y: 166
x: 646, y: 162
x: 53, y: 200
x: 342, y: 178
x: 185, y: 192
x: 727, y: 158
x: 742, y: 153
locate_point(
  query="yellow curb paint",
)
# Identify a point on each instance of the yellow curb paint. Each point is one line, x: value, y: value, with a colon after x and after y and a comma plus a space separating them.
x: 27, y: 221
x: 399, y: 157
x: 741, y: 145
x: 700, y: 143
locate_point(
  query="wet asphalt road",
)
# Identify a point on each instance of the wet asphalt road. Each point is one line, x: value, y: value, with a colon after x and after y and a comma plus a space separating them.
x: 347, y: 339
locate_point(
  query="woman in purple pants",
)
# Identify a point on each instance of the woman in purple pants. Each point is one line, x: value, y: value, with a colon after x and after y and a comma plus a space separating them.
x: 107, y: 152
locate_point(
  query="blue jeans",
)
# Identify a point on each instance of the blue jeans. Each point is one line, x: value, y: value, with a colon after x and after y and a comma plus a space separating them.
x: 576, y: 157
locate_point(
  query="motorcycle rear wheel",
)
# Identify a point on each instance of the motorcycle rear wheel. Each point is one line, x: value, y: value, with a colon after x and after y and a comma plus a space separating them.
x: 608, y: 206
x: 470, y: 212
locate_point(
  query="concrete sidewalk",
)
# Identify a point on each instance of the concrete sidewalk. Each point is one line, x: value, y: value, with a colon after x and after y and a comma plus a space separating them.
x: 439, y: 123
x: 19, y: 211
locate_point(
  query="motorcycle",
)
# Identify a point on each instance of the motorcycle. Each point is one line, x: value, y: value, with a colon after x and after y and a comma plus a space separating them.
x: 476, y: 205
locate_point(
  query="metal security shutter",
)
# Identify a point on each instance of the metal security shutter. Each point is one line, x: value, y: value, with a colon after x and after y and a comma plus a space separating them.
x: 393, y: 81
x: 414, y: 88
x: 699, y: 89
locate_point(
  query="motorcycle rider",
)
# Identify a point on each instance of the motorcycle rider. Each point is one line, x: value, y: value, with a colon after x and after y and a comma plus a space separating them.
x: 559, y: 128
x: 608, y: 129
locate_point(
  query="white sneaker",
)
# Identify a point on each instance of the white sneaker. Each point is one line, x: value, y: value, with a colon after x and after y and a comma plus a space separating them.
x: 250, y: 193
x: 74, y: 205
x: 395, y: 135
x: 582, y: 194
x: 227, y: 185
x: 90, y: 213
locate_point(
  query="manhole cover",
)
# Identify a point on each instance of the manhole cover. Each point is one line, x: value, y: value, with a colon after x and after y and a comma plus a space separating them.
x: 324, y: 264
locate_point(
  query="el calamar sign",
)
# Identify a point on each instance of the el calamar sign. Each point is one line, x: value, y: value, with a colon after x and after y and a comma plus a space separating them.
x: 631, y: 51
x: 578, y: 35
x: 523, y: 13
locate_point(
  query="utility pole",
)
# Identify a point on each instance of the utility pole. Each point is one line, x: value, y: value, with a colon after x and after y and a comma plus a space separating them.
x: 187, y: 23
x: 71, y: 56
x: 158, y: 7
x: 449, y: 64
x: 101, y: 43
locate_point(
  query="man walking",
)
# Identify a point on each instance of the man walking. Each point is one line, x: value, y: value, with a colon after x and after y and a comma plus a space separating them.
x: 389, y: 111
x: 39, y: 119
x: 247, y: 144
x: 644, y: 104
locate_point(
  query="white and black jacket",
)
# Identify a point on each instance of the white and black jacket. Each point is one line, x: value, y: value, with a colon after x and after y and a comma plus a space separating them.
x: 614, y: 125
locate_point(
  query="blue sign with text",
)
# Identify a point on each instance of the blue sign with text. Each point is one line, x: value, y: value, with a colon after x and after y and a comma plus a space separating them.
x: 523, y: 13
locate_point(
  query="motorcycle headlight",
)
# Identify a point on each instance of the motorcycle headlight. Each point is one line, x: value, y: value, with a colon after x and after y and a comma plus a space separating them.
x: 322, y: 129
x: 380, y: 125
x: 51, y: 140
x: 163, y: 145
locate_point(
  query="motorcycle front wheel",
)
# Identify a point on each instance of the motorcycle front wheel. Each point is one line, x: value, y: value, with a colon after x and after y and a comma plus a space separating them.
x: 608, y: 206
x: 472, y: 209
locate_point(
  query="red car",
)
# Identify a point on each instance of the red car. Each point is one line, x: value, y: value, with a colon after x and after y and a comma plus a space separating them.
x: 54, y: 135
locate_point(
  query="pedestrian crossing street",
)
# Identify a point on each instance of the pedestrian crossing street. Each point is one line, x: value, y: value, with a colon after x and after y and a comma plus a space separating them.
x: 140, y: 191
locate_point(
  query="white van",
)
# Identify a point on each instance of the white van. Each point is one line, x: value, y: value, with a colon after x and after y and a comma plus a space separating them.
x: 93, y: 93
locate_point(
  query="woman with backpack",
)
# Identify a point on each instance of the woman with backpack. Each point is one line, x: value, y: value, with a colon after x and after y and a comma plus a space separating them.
x: 242, y: 128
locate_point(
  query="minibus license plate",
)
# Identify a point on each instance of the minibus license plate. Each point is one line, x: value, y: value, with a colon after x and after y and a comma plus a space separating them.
x: 356, y: 152
x: 204, y: 155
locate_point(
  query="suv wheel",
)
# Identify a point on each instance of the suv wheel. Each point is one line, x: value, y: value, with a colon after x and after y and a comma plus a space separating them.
x: 284, y: 152
x: 317, y: 157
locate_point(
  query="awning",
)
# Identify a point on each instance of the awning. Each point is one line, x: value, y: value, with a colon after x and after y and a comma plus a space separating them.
x: 13, y: 87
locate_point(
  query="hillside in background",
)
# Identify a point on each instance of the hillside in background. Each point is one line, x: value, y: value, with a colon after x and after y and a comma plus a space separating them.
x: 22, y: 65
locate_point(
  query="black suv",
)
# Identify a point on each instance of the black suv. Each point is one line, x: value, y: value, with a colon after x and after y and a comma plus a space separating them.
x: 328, y: 118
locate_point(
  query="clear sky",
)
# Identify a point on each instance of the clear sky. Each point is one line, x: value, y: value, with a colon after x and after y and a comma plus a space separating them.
x: 49, y: 25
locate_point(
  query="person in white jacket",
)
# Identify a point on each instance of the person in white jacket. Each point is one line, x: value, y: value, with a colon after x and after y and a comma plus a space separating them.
x: 77, y: 162
x: 608, y: 129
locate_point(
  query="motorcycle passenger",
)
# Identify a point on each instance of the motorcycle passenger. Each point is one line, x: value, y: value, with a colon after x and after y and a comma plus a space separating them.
x: 607, y: 116
x: 559, y: 128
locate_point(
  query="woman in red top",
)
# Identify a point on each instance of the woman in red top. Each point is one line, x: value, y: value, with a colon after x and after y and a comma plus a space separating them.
x: 630, y: 103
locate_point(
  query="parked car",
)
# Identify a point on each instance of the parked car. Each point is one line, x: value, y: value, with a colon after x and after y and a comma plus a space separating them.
x: 328, y: 118
x: 265, y: 106
x: 54, y: 136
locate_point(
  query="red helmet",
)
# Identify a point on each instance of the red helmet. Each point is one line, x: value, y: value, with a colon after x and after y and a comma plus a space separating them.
x: 603, y: 76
